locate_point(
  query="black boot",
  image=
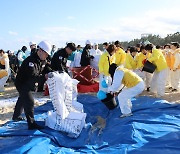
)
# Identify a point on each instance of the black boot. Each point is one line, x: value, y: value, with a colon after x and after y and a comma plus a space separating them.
x: 18, y: 118
x: 174, y: 90
x: 34, y: 126
x: 148, y: 89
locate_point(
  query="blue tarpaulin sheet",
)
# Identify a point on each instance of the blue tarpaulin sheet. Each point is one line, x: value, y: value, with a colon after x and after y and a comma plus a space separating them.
x: 153, y: 128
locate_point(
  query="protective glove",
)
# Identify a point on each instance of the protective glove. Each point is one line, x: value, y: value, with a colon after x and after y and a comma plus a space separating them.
x: 36, y: 87
x: 101, y: 95
x: 144, y: 61
x: 104, y: 84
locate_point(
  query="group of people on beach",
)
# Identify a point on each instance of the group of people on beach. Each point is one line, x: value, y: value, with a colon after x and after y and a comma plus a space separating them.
x: 116, y: 66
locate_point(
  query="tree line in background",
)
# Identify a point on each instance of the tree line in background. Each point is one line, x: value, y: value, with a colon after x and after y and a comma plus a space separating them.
x: 154, y: 39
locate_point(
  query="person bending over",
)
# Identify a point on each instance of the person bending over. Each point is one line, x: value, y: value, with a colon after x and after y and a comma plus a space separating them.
x: 133, y: 84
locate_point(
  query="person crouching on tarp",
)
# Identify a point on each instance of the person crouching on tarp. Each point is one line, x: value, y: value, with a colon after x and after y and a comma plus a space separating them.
x: 134, y: 85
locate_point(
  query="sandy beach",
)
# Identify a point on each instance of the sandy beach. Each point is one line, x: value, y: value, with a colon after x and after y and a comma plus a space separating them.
x: 6, y: 109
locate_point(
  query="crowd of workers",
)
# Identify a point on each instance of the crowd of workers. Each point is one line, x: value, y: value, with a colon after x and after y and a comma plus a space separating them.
x: 115, y: 65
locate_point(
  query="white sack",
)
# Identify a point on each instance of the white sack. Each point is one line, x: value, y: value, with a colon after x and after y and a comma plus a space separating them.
x: 68, y: 114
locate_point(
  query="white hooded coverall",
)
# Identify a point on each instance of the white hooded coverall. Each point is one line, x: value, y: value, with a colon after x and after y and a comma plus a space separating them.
x: 124, y: 97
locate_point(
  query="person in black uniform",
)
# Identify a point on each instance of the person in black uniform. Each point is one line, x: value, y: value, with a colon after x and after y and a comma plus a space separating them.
x: 59, y: 60
x: 32, y: 68
x: 42, y: 80
x: 86, y: 57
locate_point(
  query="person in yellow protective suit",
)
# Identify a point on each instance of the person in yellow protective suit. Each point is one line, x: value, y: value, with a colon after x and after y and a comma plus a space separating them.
x: 4, y: 69
x: 175, y: 82
x: 120, y: 54
x: 106, y: 59
x: 134, y: 85
x: 130, y: 59
x: 167, y: 52
x: 143, y: 54
x: 159, y: 77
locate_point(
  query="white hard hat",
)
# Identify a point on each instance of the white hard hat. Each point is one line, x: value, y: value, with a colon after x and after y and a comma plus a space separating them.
x: 32, y: 43
x: 46, y: 46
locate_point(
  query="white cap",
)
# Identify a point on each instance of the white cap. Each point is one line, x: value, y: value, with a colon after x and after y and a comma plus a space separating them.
x: 32, y: 43
x: 46, y: 46
x: 88, y: 42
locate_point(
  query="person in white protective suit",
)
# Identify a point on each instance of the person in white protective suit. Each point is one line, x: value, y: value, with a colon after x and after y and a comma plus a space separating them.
x: 159, y: 77
x: 77, y: 57
x: 175, y: 72
x: 133, y: 86
x: 96, y: 53
x: 167, y: 52
x: 4, y: 69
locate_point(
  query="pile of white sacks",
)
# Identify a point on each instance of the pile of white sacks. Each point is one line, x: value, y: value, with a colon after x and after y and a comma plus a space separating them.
x: 68, y: 115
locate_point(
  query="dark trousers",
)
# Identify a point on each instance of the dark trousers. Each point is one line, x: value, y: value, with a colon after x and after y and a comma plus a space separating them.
x: 41, y: 82
x: 25, y: 101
